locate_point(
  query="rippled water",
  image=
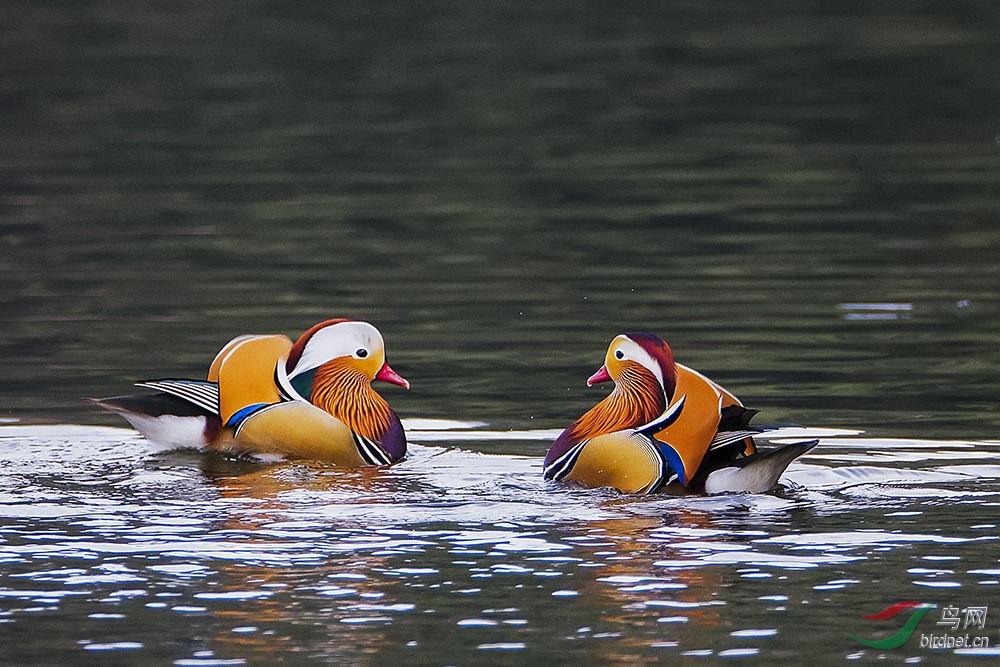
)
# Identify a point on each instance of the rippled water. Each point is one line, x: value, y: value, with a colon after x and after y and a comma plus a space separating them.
x: 115, y: 553
x: 799, y: 196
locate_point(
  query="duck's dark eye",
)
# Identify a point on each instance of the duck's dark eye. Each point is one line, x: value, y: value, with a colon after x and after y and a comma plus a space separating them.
x: 619, y: 354
x: 362, y: 353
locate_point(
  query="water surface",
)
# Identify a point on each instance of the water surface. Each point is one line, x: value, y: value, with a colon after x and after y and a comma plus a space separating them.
x: 799, y: 197
x: 115, y: 552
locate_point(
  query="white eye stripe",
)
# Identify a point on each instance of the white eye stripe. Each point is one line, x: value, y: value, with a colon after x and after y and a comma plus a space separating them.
x: 344, y: 339
x: 635, y: 352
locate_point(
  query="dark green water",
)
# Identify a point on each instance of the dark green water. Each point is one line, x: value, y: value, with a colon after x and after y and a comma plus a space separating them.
x: 501, y: 188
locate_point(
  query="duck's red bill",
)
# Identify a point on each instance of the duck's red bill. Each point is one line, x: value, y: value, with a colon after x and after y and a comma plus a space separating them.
x: 601, y: 375
x: 386, y: 374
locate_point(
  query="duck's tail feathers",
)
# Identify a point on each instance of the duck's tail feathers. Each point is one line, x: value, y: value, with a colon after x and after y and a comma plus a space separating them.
x: 164, y: 419
x: 757, y: 473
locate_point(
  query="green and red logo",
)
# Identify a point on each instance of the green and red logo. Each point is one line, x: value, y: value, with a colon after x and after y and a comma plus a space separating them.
x: 898, y: 639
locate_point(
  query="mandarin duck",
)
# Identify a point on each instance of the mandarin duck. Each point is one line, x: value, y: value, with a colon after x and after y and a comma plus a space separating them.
x: 266, y: 395
x: 664, y: 427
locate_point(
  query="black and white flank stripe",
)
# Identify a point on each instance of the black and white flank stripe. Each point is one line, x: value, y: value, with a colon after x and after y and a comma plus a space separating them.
x: 370, y: 451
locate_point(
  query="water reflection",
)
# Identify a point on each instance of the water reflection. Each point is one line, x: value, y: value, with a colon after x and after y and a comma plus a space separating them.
x: 454, y: 553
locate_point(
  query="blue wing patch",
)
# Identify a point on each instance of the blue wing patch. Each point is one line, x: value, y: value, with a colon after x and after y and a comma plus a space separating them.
x: 240, y: 415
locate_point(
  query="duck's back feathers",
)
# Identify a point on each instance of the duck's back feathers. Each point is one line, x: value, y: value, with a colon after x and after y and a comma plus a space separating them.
x: 204, y: 395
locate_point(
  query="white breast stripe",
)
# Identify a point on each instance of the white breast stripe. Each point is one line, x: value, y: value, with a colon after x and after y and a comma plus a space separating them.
x: 285, y: 387
x: 370, y: 451
x: 562, y: 465
x: 666, y: 419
